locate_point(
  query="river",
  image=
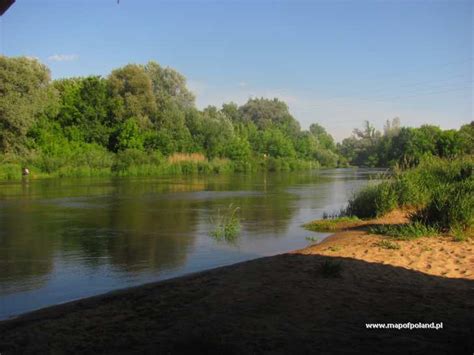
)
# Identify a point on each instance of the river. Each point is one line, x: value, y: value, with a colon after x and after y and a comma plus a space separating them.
x: 64, y: 239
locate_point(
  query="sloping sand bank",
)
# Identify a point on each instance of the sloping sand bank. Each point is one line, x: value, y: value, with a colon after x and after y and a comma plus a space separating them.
x: 440, y: 256
x: 284, y: 304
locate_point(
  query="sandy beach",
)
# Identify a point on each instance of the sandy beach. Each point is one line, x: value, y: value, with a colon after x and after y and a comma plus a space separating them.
x: 439, y: 256
x: 285, y: 304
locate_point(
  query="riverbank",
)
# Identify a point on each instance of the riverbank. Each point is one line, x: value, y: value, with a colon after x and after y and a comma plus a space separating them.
x: 318, y: 299
x: 140, y: 164
x: 436, y: 255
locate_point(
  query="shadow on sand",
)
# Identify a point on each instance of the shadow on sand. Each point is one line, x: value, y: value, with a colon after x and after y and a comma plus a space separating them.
x: 286, y: 304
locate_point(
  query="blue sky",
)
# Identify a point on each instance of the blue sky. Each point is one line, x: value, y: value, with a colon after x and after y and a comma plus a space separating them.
x: 337, y: 63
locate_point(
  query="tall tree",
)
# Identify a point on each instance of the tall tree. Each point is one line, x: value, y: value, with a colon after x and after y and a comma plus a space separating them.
x: 24, y: 94
x: 266, y: 113
x: 131, y: 92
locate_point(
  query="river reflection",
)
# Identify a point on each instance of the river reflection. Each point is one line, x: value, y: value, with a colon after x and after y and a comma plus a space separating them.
x: 70, y: 238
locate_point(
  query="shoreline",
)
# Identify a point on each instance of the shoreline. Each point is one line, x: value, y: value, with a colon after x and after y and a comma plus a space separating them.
x: 278, y: 304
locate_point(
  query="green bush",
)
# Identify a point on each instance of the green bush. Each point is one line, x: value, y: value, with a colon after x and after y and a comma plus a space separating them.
x: 451, y: 205
x: 441, y: 190
x: 373, y: 201
x: 404, y: 231
x: 409, y: 191
x: 10, y: 171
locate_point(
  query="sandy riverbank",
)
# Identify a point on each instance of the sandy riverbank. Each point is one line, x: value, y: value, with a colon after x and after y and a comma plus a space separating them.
x: 285, y: 304
x: 439, y: 256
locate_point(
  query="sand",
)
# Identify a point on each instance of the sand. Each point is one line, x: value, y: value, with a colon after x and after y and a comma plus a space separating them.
x: 440, y: 256
x: 284, y: 304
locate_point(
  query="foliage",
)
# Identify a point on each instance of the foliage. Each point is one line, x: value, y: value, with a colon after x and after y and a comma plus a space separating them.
x: 461, y: 234
x: 372, y: 201
x: 404, y: 146
x: 24, y: 97
x: 404, y: 231
x: 387, y: 244
x: 451, y: 205
x: 330, y: 225
x: 313, y: 240
x: 226, y: 225
x: 134, y: 118
x: 111, y: 125
x: 440, y: 190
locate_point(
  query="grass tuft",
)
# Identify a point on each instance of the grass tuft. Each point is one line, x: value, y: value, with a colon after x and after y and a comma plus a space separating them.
x: 387, y: 244
x: 334, y: 248
x: 460, y: 234
x: 226, y: 225
x: 404, y: 231
x: 313, y: 240
x: 330, y: 225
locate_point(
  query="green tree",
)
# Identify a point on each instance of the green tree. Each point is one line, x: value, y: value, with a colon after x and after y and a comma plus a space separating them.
x: 465, y: 137
x: 325, y: 139
x: 85, y: 109
x: 131, y: 94
x: 25, y: 94
x: 127, y: 136
x: 265, y: 113
x: 276, y: 144
x: 169, y: 87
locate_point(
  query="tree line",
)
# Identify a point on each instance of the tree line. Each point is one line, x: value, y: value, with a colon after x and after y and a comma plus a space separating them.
x: 144, y: 116
x: 139, y: 111
x: 405, y: 146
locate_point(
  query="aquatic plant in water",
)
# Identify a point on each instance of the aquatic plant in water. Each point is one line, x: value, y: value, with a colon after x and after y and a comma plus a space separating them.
x: 226, y: 225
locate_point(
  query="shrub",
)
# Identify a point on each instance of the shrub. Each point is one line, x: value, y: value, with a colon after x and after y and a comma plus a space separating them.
x: 186, y: 157
x: 134, y: 162
x: 451, y: 205
x: 409, y: 191
x: 372, y: 201
x: 404, y: 231
x: 10, y: 171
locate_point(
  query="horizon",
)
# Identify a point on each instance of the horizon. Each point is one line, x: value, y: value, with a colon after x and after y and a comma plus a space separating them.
x: 416, y: 61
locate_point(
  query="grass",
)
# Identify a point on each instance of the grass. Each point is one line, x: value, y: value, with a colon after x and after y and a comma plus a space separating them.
x: 460, y: 234
x: 313, y: 239
x: 179, y: 157
x: 226, y: 225
x: 330, y: 225
x: 441, y: 191
x: 372, y: 201
x: 387, y: 244
x: 95, y: 162
x: 330, y: 269
x: 334, y: 248
x: 404, y: 231
x: 451, y: 206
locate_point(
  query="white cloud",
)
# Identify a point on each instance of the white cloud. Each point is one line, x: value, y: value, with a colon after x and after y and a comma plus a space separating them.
x: 63, y: 57
x: 243, y: 84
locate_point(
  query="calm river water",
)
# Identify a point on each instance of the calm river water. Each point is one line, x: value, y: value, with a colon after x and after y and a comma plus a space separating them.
x: 66, y: 239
